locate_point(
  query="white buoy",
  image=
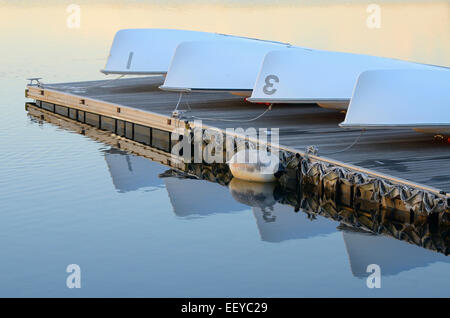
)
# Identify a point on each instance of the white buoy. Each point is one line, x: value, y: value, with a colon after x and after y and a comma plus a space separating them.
x: 254, y: 165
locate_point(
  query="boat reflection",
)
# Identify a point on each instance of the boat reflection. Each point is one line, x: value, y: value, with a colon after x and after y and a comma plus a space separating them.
x: 188, y: 196
x: 130, y: 173
x: 191, y: 196
x: 393, y: 256
x: 278, y: 222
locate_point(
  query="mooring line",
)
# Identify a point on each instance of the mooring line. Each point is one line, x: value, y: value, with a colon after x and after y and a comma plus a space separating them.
x: 234, y: 120
x: 342, y: 150
x: 175, y: 111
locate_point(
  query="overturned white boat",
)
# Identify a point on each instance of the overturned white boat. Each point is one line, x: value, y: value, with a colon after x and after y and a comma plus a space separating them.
x: 309, y: 76
x: 416, y: 99
x: 230, y: 64
x: 148, y: 51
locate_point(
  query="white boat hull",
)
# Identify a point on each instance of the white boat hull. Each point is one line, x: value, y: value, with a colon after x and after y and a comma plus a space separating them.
x: 227, y: 64
x: 412, y: 99
x: 308, y: 76
x: 147, y: 51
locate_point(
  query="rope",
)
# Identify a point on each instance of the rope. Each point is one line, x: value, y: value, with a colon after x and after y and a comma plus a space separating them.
x: 234, y: 120
x: 178, y: 103
x: 217, y: 119
x: 346, y: 148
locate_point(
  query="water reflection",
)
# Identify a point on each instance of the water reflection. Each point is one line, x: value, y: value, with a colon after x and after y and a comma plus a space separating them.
x: 276, y: 222
x: 391, y: 255
x: 282, y: 223
x: 190, y: 197
x: 130, y: 173
x: 261, y: 195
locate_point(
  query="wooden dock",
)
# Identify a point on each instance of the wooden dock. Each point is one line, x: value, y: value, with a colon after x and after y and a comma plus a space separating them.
x: 400, y: 156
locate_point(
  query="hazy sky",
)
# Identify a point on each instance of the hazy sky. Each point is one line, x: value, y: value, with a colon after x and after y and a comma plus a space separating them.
x: 411, y: 30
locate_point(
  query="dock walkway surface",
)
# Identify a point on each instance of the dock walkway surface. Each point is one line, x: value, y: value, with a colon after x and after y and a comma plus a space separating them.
x: 405, y: 154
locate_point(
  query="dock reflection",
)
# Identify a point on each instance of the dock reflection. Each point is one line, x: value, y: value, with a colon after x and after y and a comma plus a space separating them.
x: 191, y: 196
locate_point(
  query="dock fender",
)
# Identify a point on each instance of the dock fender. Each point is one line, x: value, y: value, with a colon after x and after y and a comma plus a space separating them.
x: 254, y: 165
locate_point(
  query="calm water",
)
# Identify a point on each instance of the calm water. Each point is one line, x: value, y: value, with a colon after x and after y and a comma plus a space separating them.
x: 65, y: 198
